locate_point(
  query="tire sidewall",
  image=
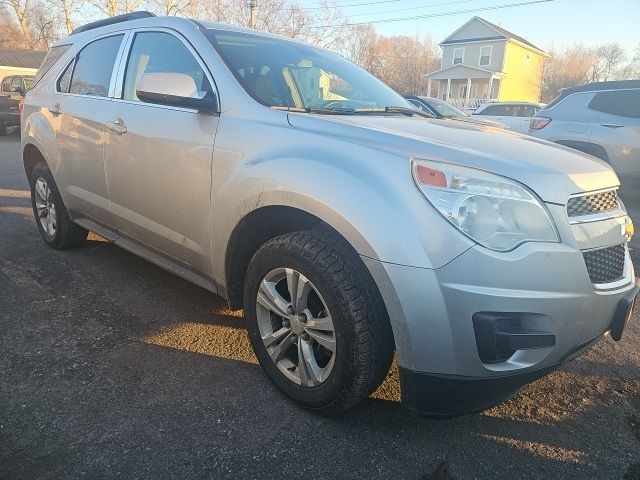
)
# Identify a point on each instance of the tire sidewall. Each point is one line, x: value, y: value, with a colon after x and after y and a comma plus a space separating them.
x: 332, y: 389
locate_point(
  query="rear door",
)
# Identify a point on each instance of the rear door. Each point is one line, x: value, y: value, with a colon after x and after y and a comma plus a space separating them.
x: 617, y: 128
x: 158, y: 158
x: 78, y: 113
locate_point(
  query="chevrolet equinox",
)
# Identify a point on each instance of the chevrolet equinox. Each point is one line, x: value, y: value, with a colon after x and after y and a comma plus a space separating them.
x: 348, y: 226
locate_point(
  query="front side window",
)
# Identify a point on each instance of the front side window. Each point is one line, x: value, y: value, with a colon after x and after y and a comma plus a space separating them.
x: 94, y: 66
x: 458, y: 55
x: 485, y: 56
x: 160, y: 52
x: 288, y: 74
x: 65, y: 79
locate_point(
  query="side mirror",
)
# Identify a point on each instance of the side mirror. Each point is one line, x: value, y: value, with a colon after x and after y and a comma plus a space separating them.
x: 20, y: 90
x: 175, y: 89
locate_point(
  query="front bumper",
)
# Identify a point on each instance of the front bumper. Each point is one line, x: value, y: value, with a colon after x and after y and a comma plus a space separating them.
x: 432, y: 316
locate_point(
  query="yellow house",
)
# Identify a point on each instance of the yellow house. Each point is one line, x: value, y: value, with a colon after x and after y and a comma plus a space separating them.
x: 483, y: 62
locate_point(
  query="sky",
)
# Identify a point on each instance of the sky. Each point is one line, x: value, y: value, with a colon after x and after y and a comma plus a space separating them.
x: 557, y: 23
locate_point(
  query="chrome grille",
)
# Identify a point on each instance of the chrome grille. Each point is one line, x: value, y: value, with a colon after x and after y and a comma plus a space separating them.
x: 594, y: 203
x: 605, y: 265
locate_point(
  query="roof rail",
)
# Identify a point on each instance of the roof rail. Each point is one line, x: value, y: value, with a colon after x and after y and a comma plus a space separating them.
x: 111, y: 20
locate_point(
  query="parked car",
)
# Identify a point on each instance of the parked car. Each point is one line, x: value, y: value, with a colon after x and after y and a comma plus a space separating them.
x: 441, y: 109
x: 12, y: 89
x: 601, y: 119
x: 515, y: 114
x: 293, y: 183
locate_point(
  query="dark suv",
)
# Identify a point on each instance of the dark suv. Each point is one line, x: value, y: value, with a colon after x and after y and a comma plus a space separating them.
x: 12, y: 89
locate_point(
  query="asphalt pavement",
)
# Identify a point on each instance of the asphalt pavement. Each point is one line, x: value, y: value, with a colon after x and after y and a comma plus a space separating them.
x: 113, y: 368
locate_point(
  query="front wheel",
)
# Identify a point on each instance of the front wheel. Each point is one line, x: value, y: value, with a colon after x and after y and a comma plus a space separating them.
x: 316, y: 321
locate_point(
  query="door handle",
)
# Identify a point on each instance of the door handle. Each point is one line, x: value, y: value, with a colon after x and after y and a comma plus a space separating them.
x: 612, y: 125
x: 117, y: 126
x: 55, y: 109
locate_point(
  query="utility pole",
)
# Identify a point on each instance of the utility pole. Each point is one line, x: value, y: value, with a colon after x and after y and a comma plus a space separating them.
x: 253, y: 5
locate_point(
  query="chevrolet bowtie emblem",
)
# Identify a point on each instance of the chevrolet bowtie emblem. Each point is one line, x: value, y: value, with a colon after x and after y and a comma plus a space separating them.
x: 627, y: 229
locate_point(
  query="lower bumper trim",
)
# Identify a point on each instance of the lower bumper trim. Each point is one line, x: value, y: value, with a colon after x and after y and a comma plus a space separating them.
x: 443, y: 396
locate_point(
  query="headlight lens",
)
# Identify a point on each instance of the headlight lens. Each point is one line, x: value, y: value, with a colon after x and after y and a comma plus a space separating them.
x: 492, y: 210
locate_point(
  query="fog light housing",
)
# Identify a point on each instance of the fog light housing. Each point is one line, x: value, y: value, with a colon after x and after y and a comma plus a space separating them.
x: 500, y: 334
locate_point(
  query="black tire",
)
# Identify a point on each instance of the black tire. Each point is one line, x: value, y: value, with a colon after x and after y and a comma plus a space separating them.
x: 67, y: 234
x: 3, y: 129
x: 364, y: 340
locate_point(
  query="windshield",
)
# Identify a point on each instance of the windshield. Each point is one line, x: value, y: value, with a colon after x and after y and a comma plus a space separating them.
x: 285, y: 74
x: 445, y: 109
x: 28, y: 82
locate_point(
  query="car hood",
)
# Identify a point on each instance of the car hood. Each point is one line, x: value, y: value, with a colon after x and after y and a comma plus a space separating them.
x: 482, y: 121
x: 552, y: 171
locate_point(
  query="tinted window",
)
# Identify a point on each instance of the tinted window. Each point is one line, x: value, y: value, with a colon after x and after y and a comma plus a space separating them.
x: 158, y: 52
x: 625, y: 103
x: 495, y: 110
x: 6, y: 84
x: 65, y: 79
x: 52, y: 57
x: 94, y: 65
x: 282, y: 73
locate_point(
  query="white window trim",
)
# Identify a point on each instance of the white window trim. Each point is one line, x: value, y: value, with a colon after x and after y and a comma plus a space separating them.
x: 490, y: 55
x: 453, y: 59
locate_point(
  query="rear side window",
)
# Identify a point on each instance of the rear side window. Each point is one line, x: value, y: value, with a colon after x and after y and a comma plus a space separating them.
x: 625, y: 103
x: 502, y: 110
x: 53, y: 55
x: 94, y: 66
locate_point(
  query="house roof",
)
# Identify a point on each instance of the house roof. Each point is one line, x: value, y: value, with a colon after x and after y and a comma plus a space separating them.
x: 13, y: 57
x: 479, y: 72
x: 503, y: 34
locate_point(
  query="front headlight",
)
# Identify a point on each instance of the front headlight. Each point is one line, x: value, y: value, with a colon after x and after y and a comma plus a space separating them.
x: 492, y: 210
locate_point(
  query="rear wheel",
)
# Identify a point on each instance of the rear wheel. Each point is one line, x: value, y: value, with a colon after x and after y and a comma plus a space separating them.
x: 316, y: 321
x: 54, y: 224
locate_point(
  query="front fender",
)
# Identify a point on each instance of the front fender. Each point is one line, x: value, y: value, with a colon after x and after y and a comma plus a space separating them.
x: 377, y: 210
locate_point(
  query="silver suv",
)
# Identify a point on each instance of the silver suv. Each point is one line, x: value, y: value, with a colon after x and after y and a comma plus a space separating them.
x: 346, y: 225
x: 601, y: 119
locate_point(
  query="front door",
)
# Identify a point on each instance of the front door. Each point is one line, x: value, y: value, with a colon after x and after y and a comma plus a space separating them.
x: 158, y: 158
x: 617, y: 128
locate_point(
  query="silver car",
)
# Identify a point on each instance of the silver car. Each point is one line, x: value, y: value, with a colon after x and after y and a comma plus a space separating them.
x: 601, y: 119
x: 346, y: 225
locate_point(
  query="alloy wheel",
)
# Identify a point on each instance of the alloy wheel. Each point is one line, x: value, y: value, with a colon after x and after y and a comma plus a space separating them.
x: 296, y: 327
x: 45, y: 208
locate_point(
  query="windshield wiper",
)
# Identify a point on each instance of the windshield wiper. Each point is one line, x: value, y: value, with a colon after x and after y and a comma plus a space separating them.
x: 402, y: 110
x: 322, y: 111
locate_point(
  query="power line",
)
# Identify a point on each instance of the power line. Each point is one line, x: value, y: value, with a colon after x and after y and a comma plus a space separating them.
x: 440, y: 14
x: 422, y: 7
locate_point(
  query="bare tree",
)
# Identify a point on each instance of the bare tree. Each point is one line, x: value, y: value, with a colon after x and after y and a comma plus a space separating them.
x: 606, y: 60
x: 21, y: 10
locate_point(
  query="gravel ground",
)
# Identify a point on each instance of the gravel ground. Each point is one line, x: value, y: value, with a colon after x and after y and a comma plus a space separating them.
x: 113, y: 368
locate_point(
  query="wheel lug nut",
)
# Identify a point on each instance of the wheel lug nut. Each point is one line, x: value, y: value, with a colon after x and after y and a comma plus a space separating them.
x: 290, y: 310
x: 302, y: 317
x: 305, y: 336
x: 285, y: 323
x: 294, y: 339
